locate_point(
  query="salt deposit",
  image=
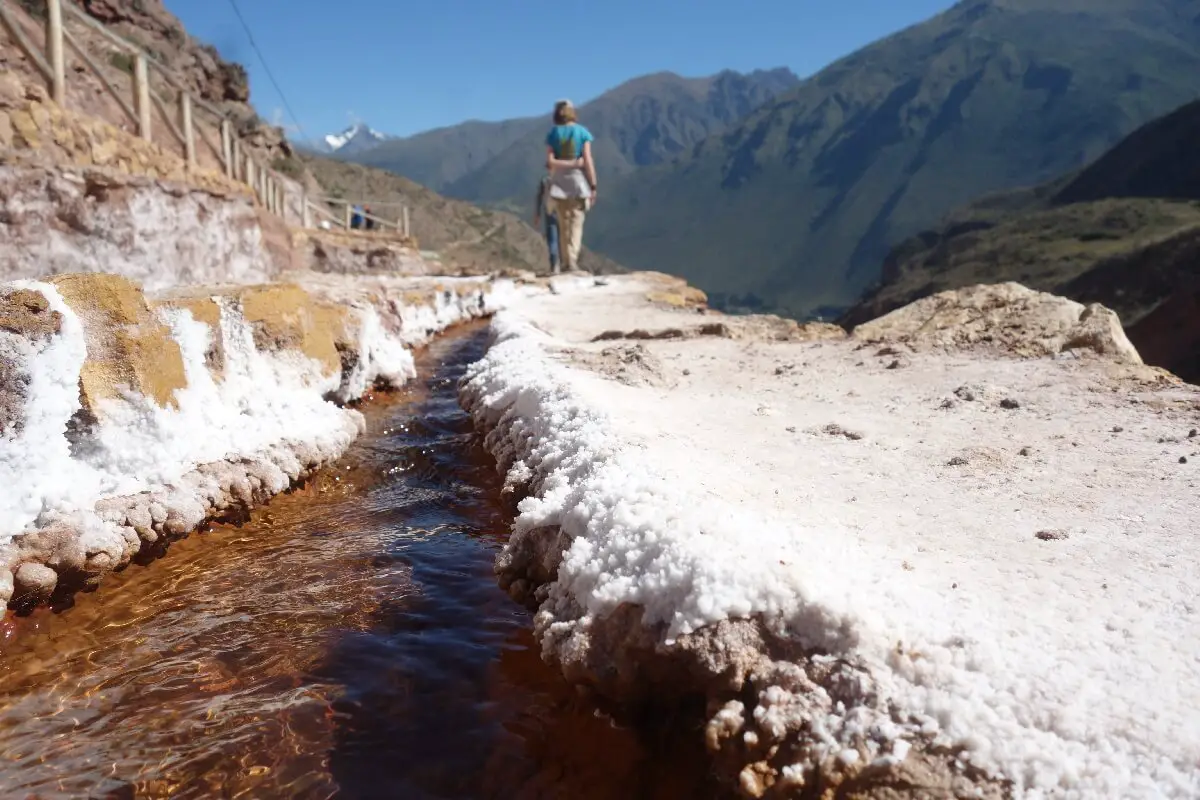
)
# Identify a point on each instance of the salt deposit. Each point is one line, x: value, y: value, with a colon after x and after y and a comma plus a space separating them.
x: 904, y: 599
x: 89, y: 489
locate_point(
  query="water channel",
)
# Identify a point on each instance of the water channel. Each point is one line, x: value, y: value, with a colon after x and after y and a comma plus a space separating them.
x: 348, y: 640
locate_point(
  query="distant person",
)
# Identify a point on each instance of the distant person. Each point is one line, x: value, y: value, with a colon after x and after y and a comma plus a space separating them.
x: 356, y: 217
x: 368, y: 220
x: 543, y: 207
x: 572, y: 173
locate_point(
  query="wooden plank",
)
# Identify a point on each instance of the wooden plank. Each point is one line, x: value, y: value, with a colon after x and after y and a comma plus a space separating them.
x: 54, y: 52
x: 27, y: 47
x: 141, y: 95
x: 407, y: 228
x: 189, y: 133
x: 325, y: 212
x: 77, y: 48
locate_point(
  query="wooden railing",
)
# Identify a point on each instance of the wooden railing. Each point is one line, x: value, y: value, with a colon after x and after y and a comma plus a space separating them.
x: 276, y: 194
x: 345, y: 213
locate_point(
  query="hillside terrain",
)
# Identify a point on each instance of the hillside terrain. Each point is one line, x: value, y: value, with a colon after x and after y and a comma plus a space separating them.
x: 795, y: 208
x: 648, y: 120
x: 464, y: 235
x: 1124, y: 231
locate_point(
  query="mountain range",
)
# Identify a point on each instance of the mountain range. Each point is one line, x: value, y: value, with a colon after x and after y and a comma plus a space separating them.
x: 645, y: 121
x: 774, y: 193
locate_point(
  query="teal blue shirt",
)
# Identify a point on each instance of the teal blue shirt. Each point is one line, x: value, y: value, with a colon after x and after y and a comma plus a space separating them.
x: 567, y: 141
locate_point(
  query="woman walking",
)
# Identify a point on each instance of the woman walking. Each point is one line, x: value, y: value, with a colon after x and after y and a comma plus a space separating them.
x: 572, y: 180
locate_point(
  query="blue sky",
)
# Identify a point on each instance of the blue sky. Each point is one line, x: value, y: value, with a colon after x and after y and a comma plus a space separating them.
x: 409, y: 66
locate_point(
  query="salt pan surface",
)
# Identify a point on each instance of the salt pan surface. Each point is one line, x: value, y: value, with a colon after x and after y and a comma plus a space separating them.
x: 1071, y: 672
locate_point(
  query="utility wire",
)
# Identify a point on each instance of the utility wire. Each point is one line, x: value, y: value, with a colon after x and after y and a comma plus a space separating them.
x: 267, y: 69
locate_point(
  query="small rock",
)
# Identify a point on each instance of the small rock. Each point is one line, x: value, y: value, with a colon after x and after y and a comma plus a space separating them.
x: 1117, y: 429
x: 957, y: 461
x: 1024, y: 451
x: 1051, y: 535
x: 1183, y: 459
x: 954, y: 586
x: 35, y: 581
x: 791, y: 428
x: 1193, y: 433
x: 1009, y: 403
x: 895, y: 364
x: 965, y: 393
x: 833, y: 429
x: 947, y: 403
x: 687, y: 372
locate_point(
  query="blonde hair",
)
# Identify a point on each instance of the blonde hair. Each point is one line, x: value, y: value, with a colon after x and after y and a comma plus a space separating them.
x: 564, y: 112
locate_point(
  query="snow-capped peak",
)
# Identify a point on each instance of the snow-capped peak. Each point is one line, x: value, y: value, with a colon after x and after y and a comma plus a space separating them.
x: 358, y: 136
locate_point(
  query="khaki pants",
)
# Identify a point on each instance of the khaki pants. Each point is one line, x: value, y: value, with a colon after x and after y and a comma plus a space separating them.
x: 570, y: 211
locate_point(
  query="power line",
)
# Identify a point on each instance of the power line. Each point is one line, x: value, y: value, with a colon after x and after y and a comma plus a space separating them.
x: 267, y: 69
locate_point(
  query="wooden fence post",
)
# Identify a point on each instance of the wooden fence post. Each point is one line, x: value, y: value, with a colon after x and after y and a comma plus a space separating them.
x: 54, y: 51
x: 141, y: 95
x: 404, y: 215
x: 305, y: 212
x: 249, y: 172
x: 189, y: 133
x: 227, y: 148
x: 349, y: 212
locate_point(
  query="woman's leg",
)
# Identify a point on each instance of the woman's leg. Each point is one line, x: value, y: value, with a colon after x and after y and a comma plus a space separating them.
x: 570, y: 230
x: 552, y: 241
x: 562, y: 211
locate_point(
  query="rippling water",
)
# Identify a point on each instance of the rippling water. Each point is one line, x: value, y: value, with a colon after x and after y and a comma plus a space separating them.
x: 348, y: 641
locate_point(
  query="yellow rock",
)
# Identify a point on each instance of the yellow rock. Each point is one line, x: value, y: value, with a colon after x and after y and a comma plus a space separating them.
x: 104, y: 151
x: 205, y: 310
x: 40, y: 116
x: 26, y: 128
x: 285, y: 317
x: 127, y: 345
x: 28, y: 313
x: 684, y: 297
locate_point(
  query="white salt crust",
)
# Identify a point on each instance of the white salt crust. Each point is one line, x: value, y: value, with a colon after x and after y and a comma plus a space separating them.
x: 1052, y: 713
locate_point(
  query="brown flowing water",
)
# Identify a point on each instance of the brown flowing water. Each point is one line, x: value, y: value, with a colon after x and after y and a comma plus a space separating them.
x: 348, y: 640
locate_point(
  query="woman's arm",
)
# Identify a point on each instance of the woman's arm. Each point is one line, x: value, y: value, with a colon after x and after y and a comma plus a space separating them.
x: 552, y: 162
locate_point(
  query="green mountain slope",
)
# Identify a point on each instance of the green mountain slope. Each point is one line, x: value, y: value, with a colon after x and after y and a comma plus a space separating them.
x: 647, y: 120
x: 1124, y: 231
x: 795, y: 208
